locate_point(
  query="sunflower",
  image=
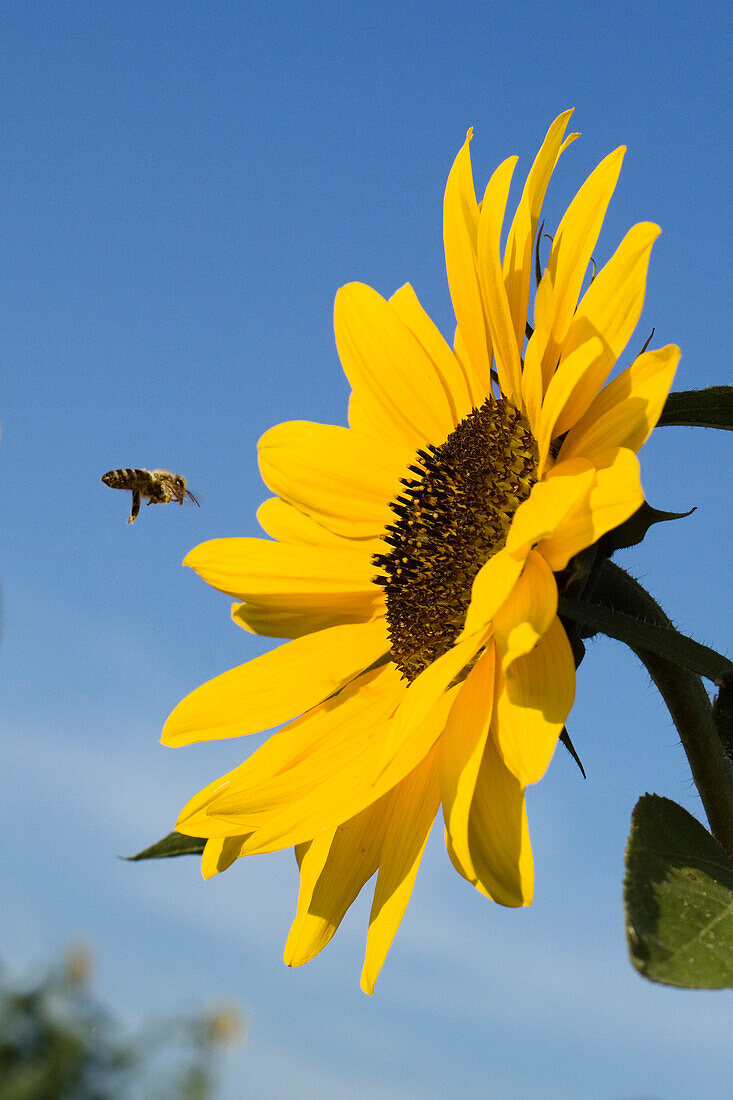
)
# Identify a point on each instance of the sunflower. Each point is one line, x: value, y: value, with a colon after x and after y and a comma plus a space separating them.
x: 413, y: 563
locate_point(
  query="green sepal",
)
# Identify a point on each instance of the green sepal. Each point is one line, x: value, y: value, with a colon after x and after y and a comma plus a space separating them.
x: 634, y: 530
x: 678, y: 894
x: 175, y: 844
x: 638, y: 634
x: 708, y: 408
x: 566, y: 740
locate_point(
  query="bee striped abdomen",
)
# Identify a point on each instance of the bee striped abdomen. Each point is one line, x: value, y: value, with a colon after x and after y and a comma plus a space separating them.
x: 127, y: 479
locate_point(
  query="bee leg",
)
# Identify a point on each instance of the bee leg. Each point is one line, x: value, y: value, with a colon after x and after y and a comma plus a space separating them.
x: 135, y: 506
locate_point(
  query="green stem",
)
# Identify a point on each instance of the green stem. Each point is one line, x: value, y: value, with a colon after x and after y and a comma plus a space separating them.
x: 687, y: 701
x: 639, y: 633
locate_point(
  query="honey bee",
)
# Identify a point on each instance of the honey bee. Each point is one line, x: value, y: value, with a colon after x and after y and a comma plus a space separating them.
x: 159, y: 486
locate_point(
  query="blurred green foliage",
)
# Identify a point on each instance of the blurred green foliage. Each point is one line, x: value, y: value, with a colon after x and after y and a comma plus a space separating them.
x: 57, y: 1042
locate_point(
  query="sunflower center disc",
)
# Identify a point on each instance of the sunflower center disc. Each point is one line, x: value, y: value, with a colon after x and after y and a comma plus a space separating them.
x: 450, y: 519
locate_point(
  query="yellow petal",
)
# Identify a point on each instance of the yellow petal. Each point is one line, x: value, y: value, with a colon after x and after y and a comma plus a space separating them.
x: 549, y: 504
x: 476, y: 384
x: 335, y: 475
x: 276, y: 686
x: 599, y: 332
x: 544, y: 317
x: 413, y: 716
x: 574, y: 242
x: 533, y: 705
x: 286, y: 524
x: 398, y: 393
x: 220, y: 853
x: 461, y: 750
x: 626, y: 411
x: 460, y: 228
x: 533, y: 386
x: 292, y: 763
x: 309, y: 936
x: 333, y: 869
x: 518, y: 253
x: 447, y: 366
x: 413, y: 808
x: 328, y: 783
x: 193, y: 818
x: 528, y: 612
x: 284, y: 601
x: 483, y: 803
x: 491, y: 586
x: 258, y: 570
x: 615, y: 496
x: 583, y: 359
x: 339, y: 786
x: 501, y: 326
x: 292, y: 616
x: 496, y: 856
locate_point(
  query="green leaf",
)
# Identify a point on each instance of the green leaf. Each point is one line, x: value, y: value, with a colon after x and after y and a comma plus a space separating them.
x: 664, y: 641
x: 175, y: 844
x: 678, y: 894
x: 709, y: 408
x: 633, y: 531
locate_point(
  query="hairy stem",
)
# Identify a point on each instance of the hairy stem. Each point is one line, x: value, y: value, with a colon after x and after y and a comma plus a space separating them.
x: 687, y: 701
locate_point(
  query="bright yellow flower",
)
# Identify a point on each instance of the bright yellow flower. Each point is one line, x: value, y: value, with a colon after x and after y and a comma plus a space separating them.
x: 413, y: 561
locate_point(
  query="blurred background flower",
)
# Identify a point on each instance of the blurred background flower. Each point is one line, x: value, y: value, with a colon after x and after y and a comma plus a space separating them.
x: 59, y: 1042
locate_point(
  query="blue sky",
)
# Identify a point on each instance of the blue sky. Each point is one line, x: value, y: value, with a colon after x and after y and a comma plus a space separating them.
x: 183, y: 187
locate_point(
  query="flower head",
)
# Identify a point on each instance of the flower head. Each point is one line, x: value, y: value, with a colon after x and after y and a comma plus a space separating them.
x: 413, y: 561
